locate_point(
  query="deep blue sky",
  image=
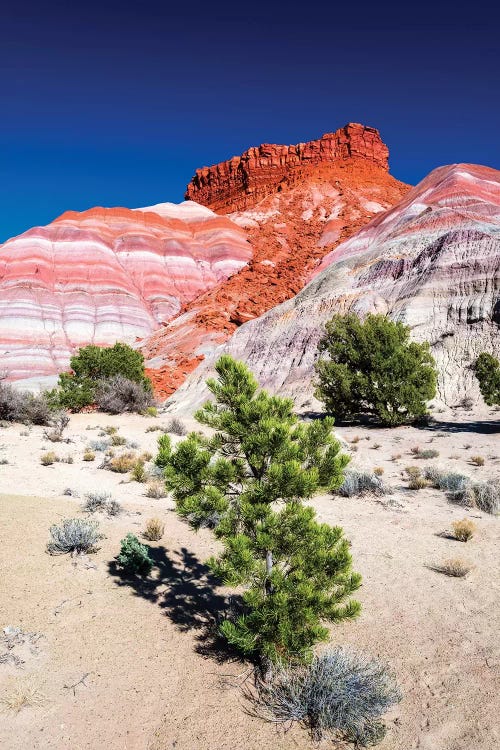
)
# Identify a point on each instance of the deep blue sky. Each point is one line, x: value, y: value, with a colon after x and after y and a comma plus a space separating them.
x: 116, y: 103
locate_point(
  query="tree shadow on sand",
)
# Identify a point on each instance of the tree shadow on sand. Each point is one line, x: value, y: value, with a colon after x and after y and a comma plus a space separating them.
x: 185, y: 589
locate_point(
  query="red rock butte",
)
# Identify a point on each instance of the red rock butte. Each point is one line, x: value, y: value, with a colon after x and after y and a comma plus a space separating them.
x: 241, y: 182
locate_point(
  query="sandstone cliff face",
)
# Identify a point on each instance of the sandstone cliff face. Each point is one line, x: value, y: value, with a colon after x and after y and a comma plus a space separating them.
x: 241, y: 182
x: 107, y: 275
x: 433, y: 261
x: 290, y: 231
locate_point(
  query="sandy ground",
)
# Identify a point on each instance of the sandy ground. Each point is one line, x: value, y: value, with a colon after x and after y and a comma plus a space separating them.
x: 151, y: 682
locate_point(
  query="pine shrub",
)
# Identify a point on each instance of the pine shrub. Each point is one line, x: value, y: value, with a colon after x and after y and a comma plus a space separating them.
x: 134, y: 556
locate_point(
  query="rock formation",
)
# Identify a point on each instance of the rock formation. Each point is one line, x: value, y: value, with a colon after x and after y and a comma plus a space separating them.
x: 343, y: 183
x: 104, y: 275
x: 241, y: 182
x: 432, y: 261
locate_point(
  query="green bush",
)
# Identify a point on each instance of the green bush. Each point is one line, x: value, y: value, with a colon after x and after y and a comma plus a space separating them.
x: 487, y: 369
x: 134, y: 556
x: 92, y: 368
x: 371, y: 367
x: 248, y: 482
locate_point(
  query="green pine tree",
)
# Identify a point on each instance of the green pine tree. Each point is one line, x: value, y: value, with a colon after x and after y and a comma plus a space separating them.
x: 248, y: 482
x: 372, y: 367
x: 487, y: 369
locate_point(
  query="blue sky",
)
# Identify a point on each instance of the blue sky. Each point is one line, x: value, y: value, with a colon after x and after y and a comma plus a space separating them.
x: 115, y: 103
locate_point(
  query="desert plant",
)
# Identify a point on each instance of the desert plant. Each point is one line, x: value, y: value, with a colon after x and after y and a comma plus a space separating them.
x: 413, y: 471
x: 477, y: 460
x: 134, y: 556
x: 454, y: 567
x: 154, y: 428
x: 18, y: 406
x: 58, y: 423
x: 378, y: 471
x: 482, y: 495
x: 294, y: 573
x: 427, y: 453
x: 487, y: 370
x: 118, y: 394
x: 89, y: 456
x: 138, y: 472
x: 395, y: 456
x: 23, y: 694
x: 94, y: 365
x: 154, y: 530
x: 373, y: 368
x: 123, y: 463
x: 358, y: 483
x: 118, y: 439
x: 101, y: 501
x: 176, y: 427
x: 341, y: 695
x: 150, y: 411
x: 75, y: 536
x: 463, y: 530
x: 164, y: 451
x: 48, y: 458
x: 156, y: 490
x: 417, y: 483
x: 99, y: 445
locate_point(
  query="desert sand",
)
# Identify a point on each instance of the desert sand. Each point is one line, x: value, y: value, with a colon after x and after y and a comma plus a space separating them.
x: 125, y: 666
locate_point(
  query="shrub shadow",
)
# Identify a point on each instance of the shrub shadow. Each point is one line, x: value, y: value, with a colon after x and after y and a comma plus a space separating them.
x: 185, y: 589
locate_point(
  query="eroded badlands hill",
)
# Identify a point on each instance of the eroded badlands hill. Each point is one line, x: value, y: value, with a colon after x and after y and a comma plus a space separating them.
x: 432, y: 261
x: 297, y: 203
x: 107, y: 275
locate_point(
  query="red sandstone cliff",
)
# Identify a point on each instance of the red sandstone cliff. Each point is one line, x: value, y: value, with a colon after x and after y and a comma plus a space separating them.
x: 241, y: 182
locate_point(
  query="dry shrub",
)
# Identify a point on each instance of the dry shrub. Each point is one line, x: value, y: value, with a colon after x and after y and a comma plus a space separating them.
x: 117, y: 439
x: 358, y: 483
x: 413, y: 472
x: 463, y: 530
x: 477, y: 460
x: 89, y: 456
x: 454, y: 567
x: 378, y: 471
x: 75, y: 536
x: 17, y: 406
x: 156, y: 490
x: 59, y: 422
x: 417, y: 483
x: 154, y: 530
x: 117, y: 395
x: 395, y: 456
x: 355, y: 439
x: 341, y: 695
x: 49, y: 458
x: 176, y: 427
x: 123, y: 463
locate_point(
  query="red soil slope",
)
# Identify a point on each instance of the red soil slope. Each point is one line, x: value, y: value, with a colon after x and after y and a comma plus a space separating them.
x: 299, y: 202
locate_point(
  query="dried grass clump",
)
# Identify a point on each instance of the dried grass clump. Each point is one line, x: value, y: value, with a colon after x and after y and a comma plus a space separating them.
x: 154, y: 530
x: 176, y: 427
x: 89, y: 456
x: 482, y: 495
x: 428, y: 453
x: 341, y: 695
x: 413, y: 471
x: 378, y: 471
x: 477, y: 460
x: 49, y: 458
x: 23, y: 694
x: 358, y: 483
x: 417, y: 483
x: 156, y: 490
x: 74, y: 536
x: 454, y: 567
x: 123, y: 463
x: 463, y: 530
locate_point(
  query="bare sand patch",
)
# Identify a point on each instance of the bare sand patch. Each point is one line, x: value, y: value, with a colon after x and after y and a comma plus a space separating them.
x: 148, y: 683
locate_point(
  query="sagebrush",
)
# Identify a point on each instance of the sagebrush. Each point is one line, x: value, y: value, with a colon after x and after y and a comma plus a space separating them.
x: 75, y: 536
